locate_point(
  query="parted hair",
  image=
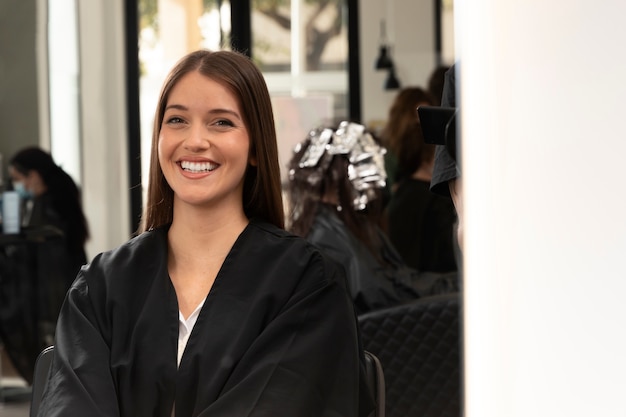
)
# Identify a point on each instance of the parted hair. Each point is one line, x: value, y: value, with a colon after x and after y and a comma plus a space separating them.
x: 262, y: 198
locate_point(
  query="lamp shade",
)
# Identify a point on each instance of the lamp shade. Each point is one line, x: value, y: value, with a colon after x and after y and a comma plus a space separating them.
x: 384, y: 60
x: 392, y: 82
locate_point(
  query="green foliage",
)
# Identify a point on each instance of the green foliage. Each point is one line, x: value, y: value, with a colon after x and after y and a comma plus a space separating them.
x: 148, y: 12
x: 209, y: 4
x: 317, y: 38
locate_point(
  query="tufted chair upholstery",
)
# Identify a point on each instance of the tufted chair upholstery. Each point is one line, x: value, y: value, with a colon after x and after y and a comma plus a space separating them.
x: 418, y: 345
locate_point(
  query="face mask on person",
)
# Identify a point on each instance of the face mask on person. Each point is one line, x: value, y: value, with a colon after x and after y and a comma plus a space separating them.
x: 22, y: 191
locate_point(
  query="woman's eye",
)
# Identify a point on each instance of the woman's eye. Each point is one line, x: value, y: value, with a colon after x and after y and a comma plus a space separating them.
x: 224, y: 122
x: 174, y: 120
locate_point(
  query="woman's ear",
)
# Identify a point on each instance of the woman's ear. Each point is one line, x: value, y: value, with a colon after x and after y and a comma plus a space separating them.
x: 252, y: 160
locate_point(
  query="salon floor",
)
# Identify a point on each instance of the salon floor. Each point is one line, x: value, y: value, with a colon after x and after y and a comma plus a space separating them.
x: 14, y: 409
x: 14, y: 392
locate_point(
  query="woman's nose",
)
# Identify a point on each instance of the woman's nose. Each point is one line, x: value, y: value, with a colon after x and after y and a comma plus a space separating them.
x: 198, y: 138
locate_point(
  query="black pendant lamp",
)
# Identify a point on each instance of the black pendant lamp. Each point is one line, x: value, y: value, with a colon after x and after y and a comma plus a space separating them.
x: 384, y: 60
x: 392, y: 82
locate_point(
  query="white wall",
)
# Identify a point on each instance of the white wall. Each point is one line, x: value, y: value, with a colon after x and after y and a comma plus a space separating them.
x: 542, y: 97
x: 411, y: 33
x: 104, y: 134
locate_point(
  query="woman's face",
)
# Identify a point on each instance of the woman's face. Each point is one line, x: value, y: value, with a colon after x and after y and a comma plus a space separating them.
x: 203, y: 144
x: 15, y: 175
x: 21, y: 183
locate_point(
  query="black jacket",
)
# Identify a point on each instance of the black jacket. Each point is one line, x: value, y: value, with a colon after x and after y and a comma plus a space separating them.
x: 276, y: 336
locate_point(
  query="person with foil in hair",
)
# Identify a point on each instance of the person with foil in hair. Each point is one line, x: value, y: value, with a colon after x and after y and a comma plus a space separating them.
x: 336, y: 180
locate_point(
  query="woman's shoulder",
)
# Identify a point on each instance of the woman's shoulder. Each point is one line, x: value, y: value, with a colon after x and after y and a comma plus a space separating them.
x: 288, y: 251
x: 268, y: 238
x: 132, y: 257
x: 144, y: 242
x: 119, y: 283
x: 330, y: 233
x: 273, y: 235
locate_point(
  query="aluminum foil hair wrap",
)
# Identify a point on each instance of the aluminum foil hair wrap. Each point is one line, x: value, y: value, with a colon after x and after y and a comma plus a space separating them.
x: 366, y: 169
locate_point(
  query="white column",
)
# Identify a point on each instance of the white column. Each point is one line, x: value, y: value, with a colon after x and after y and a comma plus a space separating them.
x: 63, y: 83
x: 104, y: 123
x: 542, y: 99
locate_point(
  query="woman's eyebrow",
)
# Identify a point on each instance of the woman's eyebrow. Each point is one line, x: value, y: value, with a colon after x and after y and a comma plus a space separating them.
x: 212, y: 111
x: 175, y: 107
x: 227, y: 111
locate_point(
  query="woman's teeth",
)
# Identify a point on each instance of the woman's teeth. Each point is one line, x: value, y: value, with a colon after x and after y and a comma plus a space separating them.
x: 198, y: 166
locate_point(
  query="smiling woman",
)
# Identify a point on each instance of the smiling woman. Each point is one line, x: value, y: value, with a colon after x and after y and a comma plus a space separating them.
x: 213, y: 309
x: 204, y: 148
x: 223, y: 97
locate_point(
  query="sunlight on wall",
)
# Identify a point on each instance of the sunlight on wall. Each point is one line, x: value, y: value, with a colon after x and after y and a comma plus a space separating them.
x: 64, y: 85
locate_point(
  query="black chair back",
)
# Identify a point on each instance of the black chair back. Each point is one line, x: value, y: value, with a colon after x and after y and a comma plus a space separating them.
x: 40, y: 378
x: 418, y: 345
x: 376, y: 380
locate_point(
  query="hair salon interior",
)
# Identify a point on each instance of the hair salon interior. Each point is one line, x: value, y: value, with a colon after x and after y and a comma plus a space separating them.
x: 542, y: 157
x: 81, y: 78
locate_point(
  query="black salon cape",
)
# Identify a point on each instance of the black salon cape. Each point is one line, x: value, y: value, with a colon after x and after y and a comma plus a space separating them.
x: 277, y: 336
x: 373, y: 284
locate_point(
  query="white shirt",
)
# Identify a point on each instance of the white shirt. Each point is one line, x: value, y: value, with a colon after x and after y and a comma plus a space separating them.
x: 185, y: 327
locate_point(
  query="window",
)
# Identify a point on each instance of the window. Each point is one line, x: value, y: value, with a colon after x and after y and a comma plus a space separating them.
x: 301, y: 46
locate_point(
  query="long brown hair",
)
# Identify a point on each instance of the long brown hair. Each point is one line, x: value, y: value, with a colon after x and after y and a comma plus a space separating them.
x: 262, y: 198
x: 402, y: 134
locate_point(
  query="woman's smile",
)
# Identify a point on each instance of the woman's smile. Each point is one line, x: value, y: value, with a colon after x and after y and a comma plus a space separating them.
x: 198, y: 167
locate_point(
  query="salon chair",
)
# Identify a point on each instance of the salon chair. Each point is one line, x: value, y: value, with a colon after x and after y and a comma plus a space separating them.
x: 418, y: 345
x: 40, y: 378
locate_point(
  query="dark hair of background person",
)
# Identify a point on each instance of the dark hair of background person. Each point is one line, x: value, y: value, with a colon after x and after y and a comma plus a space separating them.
x: 436, y: 82
x: 402, y: 135
x: 363, y: 224
x: 64, y: 194
x: 262, y: 198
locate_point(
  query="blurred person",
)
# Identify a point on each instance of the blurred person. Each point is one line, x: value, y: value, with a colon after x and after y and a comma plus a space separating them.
x: 213, y: 309
x: 435, y: 83
x: 419, y: 223
x: 51, y: 198
x: 335, y: 191
x: 446, y: 180
x: 399, y: 129
x: 52, y: 207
